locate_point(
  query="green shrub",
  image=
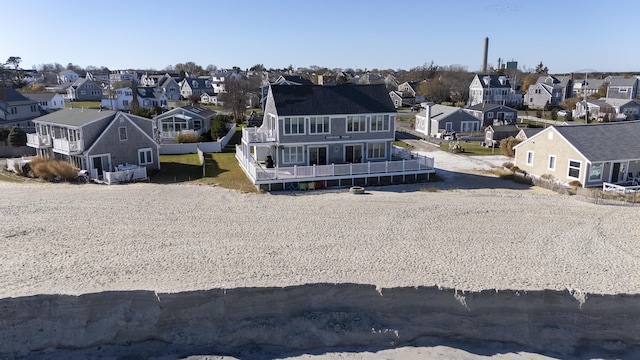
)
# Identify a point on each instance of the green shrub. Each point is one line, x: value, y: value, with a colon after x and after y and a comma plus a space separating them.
x: 17, y: 137
x: 219, y: 126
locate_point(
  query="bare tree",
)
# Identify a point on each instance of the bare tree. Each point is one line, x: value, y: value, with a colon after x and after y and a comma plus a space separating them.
x: 235, y: 96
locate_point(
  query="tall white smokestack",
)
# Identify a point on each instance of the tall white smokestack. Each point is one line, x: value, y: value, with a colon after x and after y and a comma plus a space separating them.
x: 486, y: 54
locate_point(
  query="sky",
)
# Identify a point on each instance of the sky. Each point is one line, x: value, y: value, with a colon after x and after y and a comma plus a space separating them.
x: 566, y: 36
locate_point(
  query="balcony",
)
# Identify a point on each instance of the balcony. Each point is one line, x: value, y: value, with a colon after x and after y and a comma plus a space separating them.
x: 68, y: 147
x: 258, y: 135
x: 38, y: 141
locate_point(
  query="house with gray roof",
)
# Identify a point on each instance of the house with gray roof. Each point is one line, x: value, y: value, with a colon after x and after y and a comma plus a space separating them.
x: 492, y: 114
x: 623, y: 88
x: 16, y: 109
x: 438, y: 120
x: 549, y: 91
x: 192, y: 119
x: 493, y: 89
x: 591, y: 154
x: 103, y: 142
x: 196, y: 86
x: 84, y: 89
x: 47, y: 100
x: 334, y: 135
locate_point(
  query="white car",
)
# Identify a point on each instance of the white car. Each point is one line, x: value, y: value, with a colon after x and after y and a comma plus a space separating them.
x: 562, y: 113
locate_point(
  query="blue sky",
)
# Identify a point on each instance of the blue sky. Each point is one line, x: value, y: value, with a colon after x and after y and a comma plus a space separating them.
x: 565, y: 35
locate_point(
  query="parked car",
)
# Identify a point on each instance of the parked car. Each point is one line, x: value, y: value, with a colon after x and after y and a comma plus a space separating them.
x: 562, y: 113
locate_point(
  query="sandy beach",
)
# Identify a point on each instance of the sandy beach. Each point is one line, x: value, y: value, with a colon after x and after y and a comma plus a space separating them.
x: 74, y: 239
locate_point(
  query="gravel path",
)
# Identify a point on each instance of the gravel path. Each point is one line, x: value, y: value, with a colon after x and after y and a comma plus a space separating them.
x: 72, y: 239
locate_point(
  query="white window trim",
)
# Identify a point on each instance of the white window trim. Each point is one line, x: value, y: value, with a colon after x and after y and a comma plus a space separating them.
x: 145, y: 150
x: 555, y: 160
x: 287, y: 159
x: 353, y: 118
x: 126, y: 135
x: 591, y: 169
x: 381, y: 148
x: 386, y: 123
x: 569, y: 167
x: 300, y: 120
x: 530, y: 163
x: 321, y: 118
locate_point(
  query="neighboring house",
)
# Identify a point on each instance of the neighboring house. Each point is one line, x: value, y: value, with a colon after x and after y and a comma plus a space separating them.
x: 47, y: 100
x: 591, y: 154
x: 67, y: 76
x: 597, y: 110
x: 493, y: 89
x: 193, y: 119
x: 149, y: 98
x: 406, y: 95
x: 123, y: 75
x: 630, y: 109
x: 333, y: 134
x: 283, y: 80
x: 96, y: 140
x: 494, y: 133
x: 169, y: 87
x: 583, y: 88
x: 120, y: 101
x: 623, y: 88
x: 195, y: 86
x: 438, y: 120
x: 84, y: 89
x: 16, y: 109
x: 164, y: 83
x: 492, y: 114
x: 210, y: 99
x: 549, y: 91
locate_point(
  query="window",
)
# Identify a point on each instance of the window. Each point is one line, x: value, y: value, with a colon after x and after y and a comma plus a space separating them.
x: 356, y: 123
x: 319, y: 125
x: 469, y: 126
x: 145, y: 156
x: 380, y: 123
x: 574, y: 169
x: 125, y: 102
x: 13, y: 110
x: 123, y: 133
x: 552, y: 162
x: 489, y: 115
x: 529, y: 157
x: 622, y: 90
x: 595, y: 174
x: 377, y: 150
x: 294, y: 125
x: 292, y: 155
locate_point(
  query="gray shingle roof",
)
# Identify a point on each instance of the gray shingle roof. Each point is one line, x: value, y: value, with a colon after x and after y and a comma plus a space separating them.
x: 328, y: 100
x: 74, y: 117
x: 13, y: 96
x: 605, y: 142
x: 494, y: 81
x: 39, y: 97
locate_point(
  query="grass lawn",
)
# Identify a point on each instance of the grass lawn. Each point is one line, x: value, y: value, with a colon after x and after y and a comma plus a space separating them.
x: 9, y: 176
x: 403, y: 144
x: 472, y: 148
x: 83, y: 104
x: 222, y: 169
x: 177, y: 168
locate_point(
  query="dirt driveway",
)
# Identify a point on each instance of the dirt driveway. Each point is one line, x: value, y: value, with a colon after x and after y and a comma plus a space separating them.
x: 465, y: 171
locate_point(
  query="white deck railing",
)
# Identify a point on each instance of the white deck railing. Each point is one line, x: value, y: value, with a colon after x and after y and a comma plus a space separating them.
x: 68, y: 146
x: 257, y: 135
x: 258, y: 172
x: 114, y: 177
x: 38, y: 141
x: 619, y: 188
